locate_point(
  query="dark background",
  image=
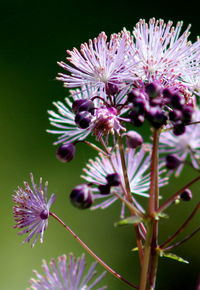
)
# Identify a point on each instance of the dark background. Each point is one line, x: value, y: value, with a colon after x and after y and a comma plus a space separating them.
x: 34, y: 36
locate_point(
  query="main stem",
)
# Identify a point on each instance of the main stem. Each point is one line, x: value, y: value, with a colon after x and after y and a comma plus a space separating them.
x: 150, y: 261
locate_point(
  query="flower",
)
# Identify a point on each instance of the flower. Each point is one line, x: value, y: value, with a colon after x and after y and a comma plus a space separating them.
x: 185, y: 145
x: 161, y: 51
x: 99, y: 62
x: 66, y: 274
x: 31, y: 209
x: 137, y: 163
x: 104, y: 120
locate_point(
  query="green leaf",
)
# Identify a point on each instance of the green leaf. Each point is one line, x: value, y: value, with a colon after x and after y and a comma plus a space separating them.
x: 173, y: 256
x: 135, y: 249
x: 161, y: 215
x: 128, y: 221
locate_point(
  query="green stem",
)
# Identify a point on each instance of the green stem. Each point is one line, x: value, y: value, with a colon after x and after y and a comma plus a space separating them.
x: 91, y: 253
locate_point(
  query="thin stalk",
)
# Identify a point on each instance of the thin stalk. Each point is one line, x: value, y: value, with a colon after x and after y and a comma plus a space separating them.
x: 182, y: 227
x: 129, y: 197
x: 188, y: 237
x: 170, y: 200
x: 91, y: 253
x: 93, y: 146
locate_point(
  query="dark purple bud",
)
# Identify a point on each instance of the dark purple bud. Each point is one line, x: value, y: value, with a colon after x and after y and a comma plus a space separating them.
x: 175, y: 115
x: 157, y: 117
x: 156, y: 102
x: 76, y: 104
x: 81, y: 196
x: 104, y: 189
x: 135, y: 93
x: 153, y: 89
x: 177, y: 101
x: 179, y: 129
x: 83, y: 119
x: 82, y: 105
x: 66, y: 152
x: 44, y: 214
x: 112, y: 88
x: 167, y: 93
x: 186, y: 195
x: 137, y: 120
x: 133, y: 139
x: 113, y: 179
x: 172, y: 161
x: 140, y: 105
x: 188, y: 111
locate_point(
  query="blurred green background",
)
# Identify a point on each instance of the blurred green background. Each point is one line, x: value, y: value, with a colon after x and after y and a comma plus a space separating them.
x: 34, y: 36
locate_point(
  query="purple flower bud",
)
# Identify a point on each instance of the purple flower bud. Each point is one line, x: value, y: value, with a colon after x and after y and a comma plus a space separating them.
x: 153, y: 89
x: 156, y: 102
x: 66, y: 152
x: 83, y: 119
x: 188, y: 111
x: 179, y: 129
x: 135, y: 93
x: 104, y: 189
x: 175, y: 115
x: 157, y: 117
x: 112, y: 88
x: 186, y: 195
x: 113, y: 179
x: 136, y: 119
x: 82, y: 105
x: 81, y: 196
x: 167, y: 93
x: 177, y: 101
x: 133, y: 139
x: 172, y: 161
x: 44, y: 214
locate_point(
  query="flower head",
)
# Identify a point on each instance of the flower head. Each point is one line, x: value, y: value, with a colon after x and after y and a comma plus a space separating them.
x: 99, y: 62
x: 137, y: 163
x: 66, y: 274
x: 185, y: 145
x: 103, y: 120
x: 31, y: 210
x: 162, y: 51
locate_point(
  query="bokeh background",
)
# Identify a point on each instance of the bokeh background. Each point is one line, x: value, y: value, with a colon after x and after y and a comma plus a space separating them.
x: 34, y: 36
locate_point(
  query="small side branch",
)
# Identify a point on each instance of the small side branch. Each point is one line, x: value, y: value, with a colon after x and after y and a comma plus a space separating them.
x: 108, y: 268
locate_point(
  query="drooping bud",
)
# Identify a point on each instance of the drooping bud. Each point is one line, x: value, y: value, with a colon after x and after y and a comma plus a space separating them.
x: 133, y: 139
x: 83, y: 119
x: 66, y: 152
x: 82, y: 105
x: 172, y: 161
x: 113, y: 179
x: 81, y: 196
x: 104, y: 189
x: 186, y: 195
